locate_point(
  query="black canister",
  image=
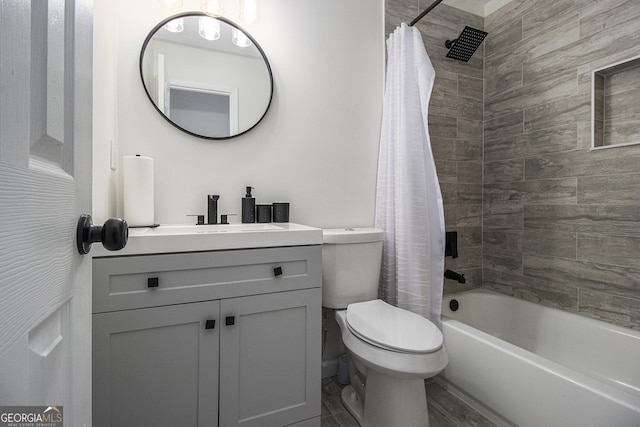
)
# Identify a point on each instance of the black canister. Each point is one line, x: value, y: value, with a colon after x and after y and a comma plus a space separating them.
x: 281, y: 212
x: 263, y: 213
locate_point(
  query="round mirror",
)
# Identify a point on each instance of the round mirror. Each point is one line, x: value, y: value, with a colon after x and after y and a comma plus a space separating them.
x: 206, y: 75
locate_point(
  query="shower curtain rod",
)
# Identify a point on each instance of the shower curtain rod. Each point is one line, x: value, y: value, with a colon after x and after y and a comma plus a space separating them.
x: 424, y: 12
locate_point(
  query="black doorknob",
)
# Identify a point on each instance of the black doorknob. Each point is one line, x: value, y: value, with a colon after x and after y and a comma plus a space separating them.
x: 113, y: 234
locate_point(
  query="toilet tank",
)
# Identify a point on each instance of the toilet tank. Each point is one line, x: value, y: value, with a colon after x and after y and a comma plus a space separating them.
x: 351, y: 260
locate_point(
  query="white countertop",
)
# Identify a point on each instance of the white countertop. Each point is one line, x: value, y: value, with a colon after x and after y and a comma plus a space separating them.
x: 190, y: 238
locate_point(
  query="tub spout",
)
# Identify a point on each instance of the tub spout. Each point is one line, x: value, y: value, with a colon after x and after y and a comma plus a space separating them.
x: 454, y: 276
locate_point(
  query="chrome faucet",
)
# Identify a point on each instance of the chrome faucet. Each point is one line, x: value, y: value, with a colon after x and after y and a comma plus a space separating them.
x: 212, y: 208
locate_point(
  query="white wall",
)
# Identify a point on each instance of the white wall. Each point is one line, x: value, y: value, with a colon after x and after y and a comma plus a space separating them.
x: 317, y: 147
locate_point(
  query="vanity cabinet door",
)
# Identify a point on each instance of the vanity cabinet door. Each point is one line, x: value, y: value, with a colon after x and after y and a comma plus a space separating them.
x: 270, y: 351
x: 156, y: 366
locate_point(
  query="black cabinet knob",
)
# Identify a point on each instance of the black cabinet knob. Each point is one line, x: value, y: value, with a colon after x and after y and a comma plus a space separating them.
x: 113, y: 234
x: 153, y: 282
x: 230, y: 320
x: 277, y: 271
x: 210, y: 324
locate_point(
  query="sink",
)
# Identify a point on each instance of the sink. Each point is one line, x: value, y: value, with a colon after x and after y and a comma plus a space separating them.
x: 166, y: 230
x: 171, y: 238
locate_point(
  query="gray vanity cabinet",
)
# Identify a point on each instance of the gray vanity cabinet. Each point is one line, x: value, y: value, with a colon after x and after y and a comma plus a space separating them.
x: 265, y: 359
x: 210, y: 338
x: 156, y: 366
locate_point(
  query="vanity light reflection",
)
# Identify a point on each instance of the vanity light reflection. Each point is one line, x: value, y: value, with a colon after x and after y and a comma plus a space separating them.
x: 240, y: 39
x: 175, y: 26
x: 209, y: 29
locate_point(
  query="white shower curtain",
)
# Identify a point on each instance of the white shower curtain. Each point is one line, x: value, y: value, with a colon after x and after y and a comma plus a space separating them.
x: 408, y: 199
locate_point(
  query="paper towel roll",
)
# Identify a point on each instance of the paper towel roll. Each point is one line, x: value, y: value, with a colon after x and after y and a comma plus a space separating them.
x: 138, y: 190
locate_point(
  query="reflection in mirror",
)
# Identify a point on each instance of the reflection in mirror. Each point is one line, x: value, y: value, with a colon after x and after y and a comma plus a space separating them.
x: 206, y: 76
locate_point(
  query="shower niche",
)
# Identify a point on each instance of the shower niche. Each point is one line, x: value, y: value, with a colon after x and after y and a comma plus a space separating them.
x: 615, y: 105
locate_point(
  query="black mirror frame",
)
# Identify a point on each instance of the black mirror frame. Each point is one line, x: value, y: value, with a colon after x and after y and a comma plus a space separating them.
x: 226, y: 21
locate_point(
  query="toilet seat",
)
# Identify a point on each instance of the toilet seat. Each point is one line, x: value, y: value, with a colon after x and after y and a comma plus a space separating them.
x: 392, y: 328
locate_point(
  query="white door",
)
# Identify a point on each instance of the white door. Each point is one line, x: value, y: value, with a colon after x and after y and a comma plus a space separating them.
x: 45, y: 183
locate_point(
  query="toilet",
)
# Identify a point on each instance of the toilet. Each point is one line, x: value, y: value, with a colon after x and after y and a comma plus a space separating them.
x: 391, y: 350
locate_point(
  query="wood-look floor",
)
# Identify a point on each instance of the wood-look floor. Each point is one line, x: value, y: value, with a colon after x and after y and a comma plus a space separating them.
x: 445, y: 410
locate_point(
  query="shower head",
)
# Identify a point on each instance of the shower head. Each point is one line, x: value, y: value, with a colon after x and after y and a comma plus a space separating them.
x: 466, y: 44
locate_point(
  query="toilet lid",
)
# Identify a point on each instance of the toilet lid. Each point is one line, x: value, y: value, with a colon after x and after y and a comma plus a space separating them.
x: 393, y: 328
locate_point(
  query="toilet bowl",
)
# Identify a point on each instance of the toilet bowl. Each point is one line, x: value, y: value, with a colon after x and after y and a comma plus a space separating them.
x: 392, y: 351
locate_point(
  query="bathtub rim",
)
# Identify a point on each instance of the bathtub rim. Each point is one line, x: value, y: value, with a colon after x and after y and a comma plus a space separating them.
x: 564, y: 313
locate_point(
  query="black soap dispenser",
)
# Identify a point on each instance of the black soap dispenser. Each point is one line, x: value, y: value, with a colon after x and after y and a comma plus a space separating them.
x: 248, y: 207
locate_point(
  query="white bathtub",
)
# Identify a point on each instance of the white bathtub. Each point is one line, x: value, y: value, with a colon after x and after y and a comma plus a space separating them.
x: 538, y: 366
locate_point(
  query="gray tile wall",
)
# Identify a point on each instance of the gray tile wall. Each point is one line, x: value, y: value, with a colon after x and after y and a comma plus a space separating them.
x: 552, y: 221
x: 561, y: 223
x: 455, y: 126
